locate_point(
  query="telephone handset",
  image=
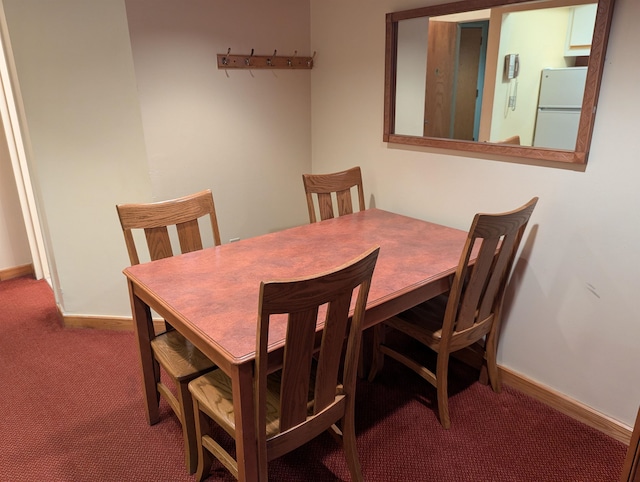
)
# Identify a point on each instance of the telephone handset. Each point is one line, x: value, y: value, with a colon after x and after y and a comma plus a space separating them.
x: 511, y: 71
x: 511, y: 66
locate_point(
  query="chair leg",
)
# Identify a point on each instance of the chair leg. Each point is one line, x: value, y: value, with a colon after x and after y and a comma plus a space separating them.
x: 187, y: 417
x: 377, y: 357
x: 205, y: 458
x: 442, y: 390
x: 492, y: 363
x: 156, y: 374
x: 484, y: 375
x: 350, y: 448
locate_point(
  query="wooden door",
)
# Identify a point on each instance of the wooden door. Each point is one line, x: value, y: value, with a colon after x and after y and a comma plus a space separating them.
x: 441, y: 64
x: 467, y: 83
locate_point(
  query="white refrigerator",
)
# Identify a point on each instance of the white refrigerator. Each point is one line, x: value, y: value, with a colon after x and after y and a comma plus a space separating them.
x: 559, y: 104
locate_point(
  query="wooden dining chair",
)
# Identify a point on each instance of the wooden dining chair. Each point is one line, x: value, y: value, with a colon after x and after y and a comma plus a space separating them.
x: 181, y: 361
x: 336, y: 185
x: 469, y: 315
x: 313, y: 390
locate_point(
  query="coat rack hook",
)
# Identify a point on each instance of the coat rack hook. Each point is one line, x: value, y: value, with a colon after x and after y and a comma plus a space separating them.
x: 269, y: 61
x: 290, y: 61
x: 225, y: 60
x: 247, y: 61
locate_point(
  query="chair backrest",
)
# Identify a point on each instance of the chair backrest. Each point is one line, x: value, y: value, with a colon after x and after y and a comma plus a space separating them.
x: 339, y: 184
x: 515, y: 140
x: 327, y: 296
x: 477, y: 291
x: 155, y: 218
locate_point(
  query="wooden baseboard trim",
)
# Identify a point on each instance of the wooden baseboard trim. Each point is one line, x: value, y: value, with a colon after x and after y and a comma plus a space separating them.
x: 114, y: 323
x: 574, y: 409
x: 16, y: 272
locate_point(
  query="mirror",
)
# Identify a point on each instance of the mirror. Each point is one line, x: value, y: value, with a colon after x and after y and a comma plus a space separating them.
x: 514, y: 78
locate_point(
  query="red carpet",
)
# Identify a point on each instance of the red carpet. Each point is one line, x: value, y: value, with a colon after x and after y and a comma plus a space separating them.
x: 72, y: 411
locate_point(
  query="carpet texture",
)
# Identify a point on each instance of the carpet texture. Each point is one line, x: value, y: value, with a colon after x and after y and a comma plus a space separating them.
x: 71, y: 404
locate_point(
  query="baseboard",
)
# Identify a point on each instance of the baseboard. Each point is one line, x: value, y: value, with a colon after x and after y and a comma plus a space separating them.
x: 115, y: 323
x: 574, y: 409
x: 16, y: 272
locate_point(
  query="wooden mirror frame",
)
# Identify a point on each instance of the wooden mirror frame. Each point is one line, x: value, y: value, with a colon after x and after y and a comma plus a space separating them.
x: 585, y: 129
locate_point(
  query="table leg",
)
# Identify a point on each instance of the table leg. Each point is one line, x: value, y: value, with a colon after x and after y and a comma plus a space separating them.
x: 246, y: 447
x: 143, y: 325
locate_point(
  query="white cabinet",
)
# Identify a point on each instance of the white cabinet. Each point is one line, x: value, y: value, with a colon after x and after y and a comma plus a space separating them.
x: 580, y: 30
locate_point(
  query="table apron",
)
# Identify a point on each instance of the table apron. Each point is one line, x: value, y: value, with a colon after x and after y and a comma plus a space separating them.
x: 385, y: 310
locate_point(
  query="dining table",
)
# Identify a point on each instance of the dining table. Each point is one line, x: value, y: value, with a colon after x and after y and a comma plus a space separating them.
x: 211, y: 296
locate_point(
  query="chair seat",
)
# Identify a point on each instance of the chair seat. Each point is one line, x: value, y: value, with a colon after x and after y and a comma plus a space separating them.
x: 422, y: 322
x: 179, y: 357
x: 213, y: 391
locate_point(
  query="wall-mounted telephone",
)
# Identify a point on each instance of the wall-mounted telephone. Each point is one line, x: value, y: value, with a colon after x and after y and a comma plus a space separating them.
x: 511, y: 71
x: 511, y: 66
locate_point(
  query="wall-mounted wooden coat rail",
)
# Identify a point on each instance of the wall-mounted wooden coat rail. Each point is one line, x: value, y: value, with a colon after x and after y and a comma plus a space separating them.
x: 250, y: 61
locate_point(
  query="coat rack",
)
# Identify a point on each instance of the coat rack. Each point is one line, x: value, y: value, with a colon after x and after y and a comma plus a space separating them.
x: 228, y: 61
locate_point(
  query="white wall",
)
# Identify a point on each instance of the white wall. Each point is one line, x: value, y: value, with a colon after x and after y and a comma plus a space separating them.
x: 573, y: 323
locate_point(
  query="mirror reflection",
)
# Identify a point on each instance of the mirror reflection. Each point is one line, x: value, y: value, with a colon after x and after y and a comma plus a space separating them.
x: 510, y: 74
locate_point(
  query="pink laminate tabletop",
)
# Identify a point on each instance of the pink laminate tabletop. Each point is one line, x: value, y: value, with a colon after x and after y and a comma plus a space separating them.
x: 211, y: 295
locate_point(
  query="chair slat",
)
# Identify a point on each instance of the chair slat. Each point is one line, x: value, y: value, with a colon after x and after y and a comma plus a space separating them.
x: 476, y: 285
x: 498, y: 279
x: 189, y: 236
x: 329, y: 360
x: 158, y: 242
x: 325, y: 205
x: 294, y: 391
x: 345, y: 206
